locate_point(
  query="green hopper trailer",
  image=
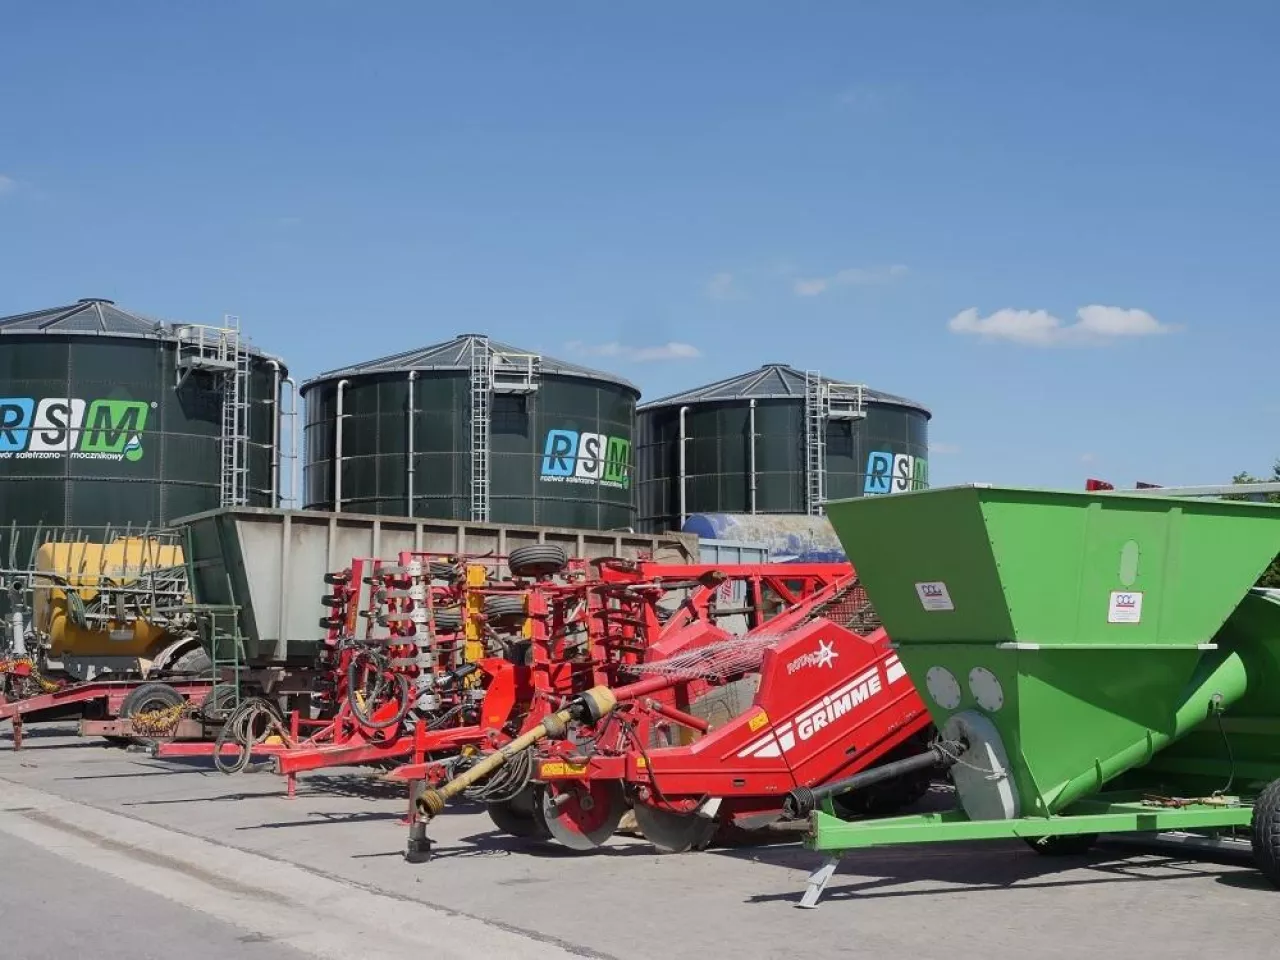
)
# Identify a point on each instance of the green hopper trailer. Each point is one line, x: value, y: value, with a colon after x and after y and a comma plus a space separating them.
x: 1093, y: 663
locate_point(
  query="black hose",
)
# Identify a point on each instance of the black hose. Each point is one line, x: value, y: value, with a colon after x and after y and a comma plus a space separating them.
x: 238, y: 728
x: 802, y: 801
x: 403, y: 695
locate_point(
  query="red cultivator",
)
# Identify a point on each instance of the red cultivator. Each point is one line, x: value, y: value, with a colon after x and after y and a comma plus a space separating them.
x: 431, y: 662
x: 712, y: 732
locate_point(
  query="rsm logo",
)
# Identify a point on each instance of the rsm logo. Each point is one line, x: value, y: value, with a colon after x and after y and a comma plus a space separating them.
x: 569, y: 456
x: 895, y: 473
x: 57, y: 427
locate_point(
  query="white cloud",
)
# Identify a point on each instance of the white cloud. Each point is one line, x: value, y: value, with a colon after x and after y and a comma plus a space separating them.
x: 850, y: 277
x: 672, y: 350
x: 721, y: 287
x: 7, y: 184
x: 1088, y: 457
x: 1039, y: 328
x: 943, y: 449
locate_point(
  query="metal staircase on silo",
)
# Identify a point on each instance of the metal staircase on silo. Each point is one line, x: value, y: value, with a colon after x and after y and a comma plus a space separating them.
x: 221, y: 352
x: 824, y: 401
x: 492, y: 372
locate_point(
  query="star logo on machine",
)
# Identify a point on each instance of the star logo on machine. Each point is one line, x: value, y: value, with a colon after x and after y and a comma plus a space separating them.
x: 824, y: 656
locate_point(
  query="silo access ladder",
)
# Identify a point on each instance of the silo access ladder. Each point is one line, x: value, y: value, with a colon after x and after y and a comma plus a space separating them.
x: 221, y: 352
x: 824, y: 401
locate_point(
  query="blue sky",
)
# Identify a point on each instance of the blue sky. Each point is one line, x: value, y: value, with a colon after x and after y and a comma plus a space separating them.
x: 1055, y: 224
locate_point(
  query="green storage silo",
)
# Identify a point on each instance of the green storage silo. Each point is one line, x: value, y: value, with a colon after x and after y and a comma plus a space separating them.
x: 474, y: 430
x: 111, y: 418
x: 776, y: 440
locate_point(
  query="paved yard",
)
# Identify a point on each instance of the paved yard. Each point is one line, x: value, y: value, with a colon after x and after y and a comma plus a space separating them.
x: 323, y: 874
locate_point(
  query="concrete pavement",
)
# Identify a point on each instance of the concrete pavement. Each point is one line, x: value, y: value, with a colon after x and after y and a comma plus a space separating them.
x: 336, y: 852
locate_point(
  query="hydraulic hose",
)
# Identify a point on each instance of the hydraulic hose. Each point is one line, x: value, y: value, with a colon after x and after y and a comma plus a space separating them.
x: 403, y: 697
x: 238, y: 729
x: 802, y: 801
x: 590, y: 706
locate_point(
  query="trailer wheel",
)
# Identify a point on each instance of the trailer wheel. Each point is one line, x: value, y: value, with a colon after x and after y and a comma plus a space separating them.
x: 1266, y: 832
x: 1067, y: 845
x: 219, y: 702
x: 149, y: 696
x: 536, y: 560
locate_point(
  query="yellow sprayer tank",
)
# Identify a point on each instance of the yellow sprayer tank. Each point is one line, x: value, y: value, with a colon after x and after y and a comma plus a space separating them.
x: 113, y: 586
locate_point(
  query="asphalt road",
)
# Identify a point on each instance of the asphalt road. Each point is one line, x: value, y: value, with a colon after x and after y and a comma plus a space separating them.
x: 57, y: 908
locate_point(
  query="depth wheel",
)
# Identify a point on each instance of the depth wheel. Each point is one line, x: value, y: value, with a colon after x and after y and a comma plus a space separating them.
x: 1266, y: 833
x: 518, y: 818
x: 1068, y: 845
x: 581, y: 814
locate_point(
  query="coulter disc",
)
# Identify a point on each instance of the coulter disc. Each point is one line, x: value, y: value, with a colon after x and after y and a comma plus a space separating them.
x: 673, y: 832
x: 582, y: 815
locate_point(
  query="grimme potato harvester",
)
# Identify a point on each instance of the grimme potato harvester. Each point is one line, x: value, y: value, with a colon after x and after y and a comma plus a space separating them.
x: 706, y: 732
x: 1094, y: 663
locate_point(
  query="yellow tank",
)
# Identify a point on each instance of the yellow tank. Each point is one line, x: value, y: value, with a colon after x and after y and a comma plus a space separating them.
x: 91, y: 572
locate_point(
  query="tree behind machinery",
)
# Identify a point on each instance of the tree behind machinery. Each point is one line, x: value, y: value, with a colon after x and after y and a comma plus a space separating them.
x: 1271, y: 577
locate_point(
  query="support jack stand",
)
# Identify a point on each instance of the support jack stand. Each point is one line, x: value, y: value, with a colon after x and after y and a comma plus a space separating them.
x: 817, y: 883
x: 418, y: 849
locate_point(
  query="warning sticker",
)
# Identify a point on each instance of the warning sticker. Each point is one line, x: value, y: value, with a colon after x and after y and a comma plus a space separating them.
x: 934, y: 596
x: 1125, y: 607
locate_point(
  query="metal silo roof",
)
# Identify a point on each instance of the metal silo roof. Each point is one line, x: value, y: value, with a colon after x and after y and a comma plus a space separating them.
x: 455, y: 354
x: 773, y: 381
x: 85, y: 317
x: 94, y: 316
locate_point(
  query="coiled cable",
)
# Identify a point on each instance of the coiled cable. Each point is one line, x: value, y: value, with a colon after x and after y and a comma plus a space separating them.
x: 239, y: 729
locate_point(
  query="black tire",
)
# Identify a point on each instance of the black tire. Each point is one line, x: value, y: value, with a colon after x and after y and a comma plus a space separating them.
x: 504, y: 607
x: 442, y: 571
x: 536, y: 560
x: 516, y: 817
x: 149, y: 696
x: 194, y: 662
x: 449, y: 620
x: 219, y: 702
x: 1069, y: 845
x: 1266, y: 833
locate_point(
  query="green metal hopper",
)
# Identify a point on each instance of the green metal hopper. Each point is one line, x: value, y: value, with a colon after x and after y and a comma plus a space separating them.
x: 1101, y: 659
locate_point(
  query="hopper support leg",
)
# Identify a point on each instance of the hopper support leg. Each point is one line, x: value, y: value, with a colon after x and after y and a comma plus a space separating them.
x: 817, y: 883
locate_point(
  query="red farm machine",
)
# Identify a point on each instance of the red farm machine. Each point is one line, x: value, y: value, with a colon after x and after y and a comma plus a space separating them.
x: 702, y: 731
x: 734, y: 685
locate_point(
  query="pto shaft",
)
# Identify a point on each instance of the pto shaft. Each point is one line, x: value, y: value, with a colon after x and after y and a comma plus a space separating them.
x: 591, y: 706
x: 802, y: 801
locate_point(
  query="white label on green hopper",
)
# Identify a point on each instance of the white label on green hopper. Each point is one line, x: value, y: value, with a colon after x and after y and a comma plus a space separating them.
x: 1125, y: 607
x: 934, y: 596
